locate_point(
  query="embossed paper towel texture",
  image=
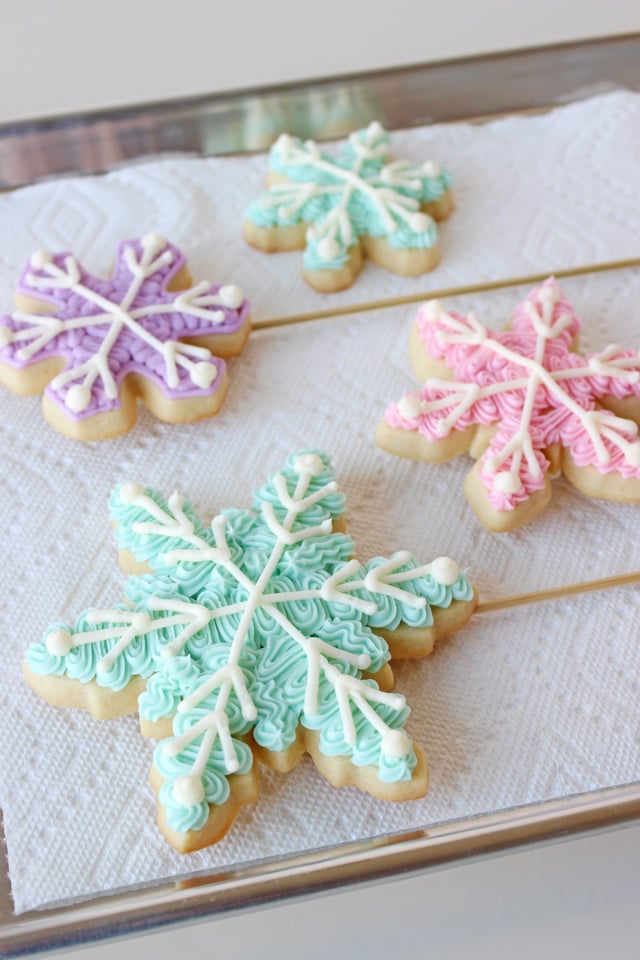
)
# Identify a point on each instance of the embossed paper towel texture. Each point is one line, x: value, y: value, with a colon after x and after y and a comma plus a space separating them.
x: 532, y: 193
x: 521, y: 706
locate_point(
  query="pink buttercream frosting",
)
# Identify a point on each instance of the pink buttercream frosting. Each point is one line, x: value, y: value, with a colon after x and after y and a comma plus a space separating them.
x: 529, y: 383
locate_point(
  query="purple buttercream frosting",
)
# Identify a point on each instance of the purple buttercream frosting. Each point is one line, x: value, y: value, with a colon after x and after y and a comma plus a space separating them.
x: 139, y: 327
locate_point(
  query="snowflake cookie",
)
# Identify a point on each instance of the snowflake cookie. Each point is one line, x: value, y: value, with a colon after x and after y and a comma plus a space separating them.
x: 94, y: 346
x: 336, y: 208
x: 258, y: 636
x: 524, y: 403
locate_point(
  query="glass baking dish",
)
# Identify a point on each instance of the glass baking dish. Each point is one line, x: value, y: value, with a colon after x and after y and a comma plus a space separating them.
x: 524, y: 81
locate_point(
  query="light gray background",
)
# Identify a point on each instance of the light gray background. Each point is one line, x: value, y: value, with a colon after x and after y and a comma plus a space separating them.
x: 76, y: 54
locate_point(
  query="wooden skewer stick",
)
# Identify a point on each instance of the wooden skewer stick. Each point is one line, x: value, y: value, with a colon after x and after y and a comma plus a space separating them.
x: 539, y: 596
x: 558, y: 593
x: 444, y: 293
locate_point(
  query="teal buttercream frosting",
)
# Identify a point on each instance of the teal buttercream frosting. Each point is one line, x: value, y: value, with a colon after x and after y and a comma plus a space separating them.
x: 351, y: 636
x: 369, y: 167
x: 281, y: 677
x: 183, y: 817
x: 306, y: 614
x: 392, y: 612
x: 149, y: 547
x: 295, y: 159
x: 283, y: 661
x: 462, y: 589
x: 213, y: 777
x: 193, y: 577
x: 277, y: 724
x: 331, y: 505
x: 368, y: 747
x: 364, y: 215
x: 270, y: 627
x: 403, y: 238
x: 248, y: 532
x: 281, y: 681
x: 360, y: 191
x: 283, y: 208
x: 83, y: 659
x: 308, y: 559
x: 145, y: 591
x: 434, y: 188
x: 148, y: 587
x: 174, y: 678
x: 312, y: 517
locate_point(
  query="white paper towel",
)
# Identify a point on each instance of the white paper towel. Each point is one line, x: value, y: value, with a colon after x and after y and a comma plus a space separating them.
x: 521, y: 706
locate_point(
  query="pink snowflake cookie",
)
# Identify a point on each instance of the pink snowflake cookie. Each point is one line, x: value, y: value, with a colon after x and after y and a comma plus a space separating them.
x: 524, y: 403
x: 95, y: 346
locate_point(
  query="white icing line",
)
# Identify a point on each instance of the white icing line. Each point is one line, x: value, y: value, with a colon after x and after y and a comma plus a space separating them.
x: 520, y: 446
x: 382, y: 188
x: 230, y: 676
x: 43, y: 329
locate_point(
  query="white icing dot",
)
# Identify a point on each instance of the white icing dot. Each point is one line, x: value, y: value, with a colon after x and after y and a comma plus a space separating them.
x: 507, y: 482
x: 59, y: 642
x: 284, y: 141
x: 40, y: 259
x: 409, y: 408
x: 395, y: 744
x: 188, y: 790
x: 78, y: 398
x: 167, y: 652
x: 363, y: 661
x: 431, y: 169
x: 203, y: 374
x: 231, y: 296
x: 376, y: 129
x: 328, y: 249
x: 419, y: 222
x: 633, y: 454
x: 445, y: 571
x: 153, y: 240
x: 432, y: 309
x: 309, y: 463
x: 129, y: 492
x: 551, y: 294
x: 6, y: 336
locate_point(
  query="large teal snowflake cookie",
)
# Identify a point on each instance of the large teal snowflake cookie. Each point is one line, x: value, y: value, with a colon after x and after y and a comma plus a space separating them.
x: 257, y: 636
x: 337, y: 208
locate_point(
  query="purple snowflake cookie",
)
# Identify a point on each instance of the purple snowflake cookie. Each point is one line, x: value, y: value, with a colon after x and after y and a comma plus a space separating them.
x: 94, y: 346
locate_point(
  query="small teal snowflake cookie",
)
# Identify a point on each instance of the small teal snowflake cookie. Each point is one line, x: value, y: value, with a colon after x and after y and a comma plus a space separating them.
x: 337, y: 208
x: 259, y: 635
